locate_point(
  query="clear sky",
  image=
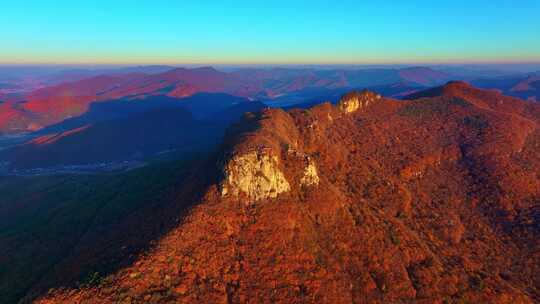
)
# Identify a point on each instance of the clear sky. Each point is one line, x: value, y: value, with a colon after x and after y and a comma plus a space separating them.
x: 268, y: 32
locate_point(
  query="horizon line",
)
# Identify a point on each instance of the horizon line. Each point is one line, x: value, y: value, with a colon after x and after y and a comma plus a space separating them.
x: 265, y: 63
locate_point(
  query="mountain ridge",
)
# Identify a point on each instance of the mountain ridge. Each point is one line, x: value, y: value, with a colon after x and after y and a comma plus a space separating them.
x: 427, y: 200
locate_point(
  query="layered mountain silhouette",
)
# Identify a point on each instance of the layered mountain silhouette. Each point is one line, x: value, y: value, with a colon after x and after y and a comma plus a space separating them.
x: 523, y: 86
x: 433, y: 199
x: 53, y: 104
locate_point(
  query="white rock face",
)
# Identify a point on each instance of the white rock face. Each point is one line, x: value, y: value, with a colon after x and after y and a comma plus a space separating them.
x: 349, y: 105
x: 356, y: 100
x: 256, y: 175
x: 311, y: 177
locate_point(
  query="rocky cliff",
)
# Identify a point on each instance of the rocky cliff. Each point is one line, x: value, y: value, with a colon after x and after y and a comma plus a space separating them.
x: 355, y: 100
x: 254, y: 174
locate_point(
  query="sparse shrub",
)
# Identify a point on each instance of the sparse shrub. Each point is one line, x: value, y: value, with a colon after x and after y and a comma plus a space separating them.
x: 394, y: 237
x: 477, y: 283
x: 459, y: 102
x: 92, y: 280
x: 476, y: 122
x: 425, y: 109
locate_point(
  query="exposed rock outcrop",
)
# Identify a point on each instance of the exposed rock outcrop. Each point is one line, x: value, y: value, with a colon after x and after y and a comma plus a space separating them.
x: 255, y: 174
x: 355, y: 100
x: 311, y: 177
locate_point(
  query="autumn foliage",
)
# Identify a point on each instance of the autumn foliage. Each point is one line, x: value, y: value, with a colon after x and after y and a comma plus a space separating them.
x: 429, y: 200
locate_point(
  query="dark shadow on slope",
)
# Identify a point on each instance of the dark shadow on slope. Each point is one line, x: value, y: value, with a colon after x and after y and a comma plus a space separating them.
x: 73, y: 231
x: 143, y: 134
x: 65, y: 231
x: 199, y: 105
x: 134, y: 138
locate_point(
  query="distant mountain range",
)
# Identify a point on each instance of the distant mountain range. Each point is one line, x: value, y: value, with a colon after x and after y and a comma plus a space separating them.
x: 75, y: 90
x: 61, y: 120
x: 526, y: 86
x: 50, y: 105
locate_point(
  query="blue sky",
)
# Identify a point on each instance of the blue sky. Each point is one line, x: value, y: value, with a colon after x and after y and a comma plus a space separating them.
x: 269, y: 32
